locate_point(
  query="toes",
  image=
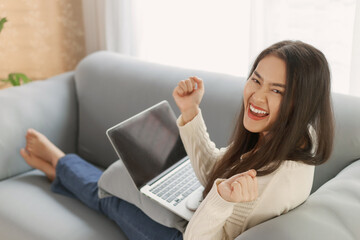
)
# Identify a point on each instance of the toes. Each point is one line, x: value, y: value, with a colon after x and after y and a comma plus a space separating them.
x: 28, y: 148
x: 31, y: 130
x: 25, y: 154
x: 30, y: 133
x: 32, y: 137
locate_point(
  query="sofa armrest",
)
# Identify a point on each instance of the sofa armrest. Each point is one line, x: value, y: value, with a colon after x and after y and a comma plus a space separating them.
x: 49, y: 106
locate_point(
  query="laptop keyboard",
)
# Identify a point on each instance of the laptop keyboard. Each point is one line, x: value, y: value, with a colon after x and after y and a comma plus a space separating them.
x: 178, y: 185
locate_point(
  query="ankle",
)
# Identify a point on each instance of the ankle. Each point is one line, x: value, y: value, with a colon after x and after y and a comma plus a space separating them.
x: 54, y: 161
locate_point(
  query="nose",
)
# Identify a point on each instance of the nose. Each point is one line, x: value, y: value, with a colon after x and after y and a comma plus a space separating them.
x: 259, y: 96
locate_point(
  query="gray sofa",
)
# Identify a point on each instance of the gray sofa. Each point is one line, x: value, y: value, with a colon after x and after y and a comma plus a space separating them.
x: 75, y: 109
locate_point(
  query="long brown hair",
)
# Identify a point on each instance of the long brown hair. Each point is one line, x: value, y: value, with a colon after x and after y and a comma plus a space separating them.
x: 306, y: 102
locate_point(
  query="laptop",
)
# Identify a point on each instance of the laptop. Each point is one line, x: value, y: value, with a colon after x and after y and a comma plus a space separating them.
x: 151, y: 149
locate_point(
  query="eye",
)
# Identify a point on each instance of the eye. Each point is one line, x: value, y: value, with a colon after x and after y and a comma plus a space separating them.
x: 277, y: 91
x: 255, y: 80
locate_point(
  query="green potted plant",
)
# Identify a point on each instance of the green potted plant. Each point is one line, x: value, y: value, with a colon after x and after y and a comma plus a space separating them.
x: 16, y: 79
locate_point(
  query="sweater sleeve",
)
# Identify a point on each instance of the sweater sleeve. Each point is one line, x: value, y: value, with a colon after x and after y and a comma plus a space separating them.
x: 213, y: 214
x: 201, y: 150
x: 279, y: 192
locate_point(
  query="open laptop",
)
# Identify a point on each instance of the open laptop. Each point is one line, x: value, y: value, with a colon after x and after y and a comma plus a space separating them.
x: 151, y: 149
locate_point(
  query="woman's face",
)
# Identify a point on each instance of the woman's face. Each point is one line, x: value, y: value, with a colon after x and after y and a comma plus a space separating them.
x: 263, y: 94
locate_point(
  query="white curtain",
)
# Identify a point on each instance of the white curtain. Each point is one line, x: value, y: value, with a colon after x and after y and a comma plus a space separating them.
x: 109, y: 25
x: 226, y: 36
x: 355, y: 58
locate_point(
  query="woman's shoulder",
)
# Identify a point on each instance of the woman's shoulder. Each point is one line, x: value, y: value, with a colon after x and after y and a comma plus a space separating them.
x: 289, y: 185
x: 291, y: 166
x: 279, y: 192
x: 295, y: 165
x: 294, y: 179
x: 291, y: 175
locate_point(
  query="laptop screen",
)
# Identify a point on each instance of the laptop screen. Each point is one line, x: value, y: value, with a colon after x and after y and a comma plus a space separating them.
x: 148, y: 143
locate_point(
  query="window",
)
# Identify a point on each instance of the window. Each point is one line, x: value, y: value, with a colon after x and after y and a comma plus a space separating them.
x: 225, y: 36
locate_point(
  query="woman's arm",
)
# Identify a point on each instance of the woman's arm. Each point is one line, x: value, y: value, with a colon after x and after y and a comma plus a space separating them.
x: 201, y: 150
x: 209, y: 220
x: 278, y: 193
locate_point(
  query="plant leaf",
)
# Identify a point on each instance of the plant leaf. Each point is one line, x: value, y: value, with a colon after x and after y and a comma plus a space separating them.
x: 24, y: 77
x: 16, y: 78
x: 2, y: 21
x: 12, y: 80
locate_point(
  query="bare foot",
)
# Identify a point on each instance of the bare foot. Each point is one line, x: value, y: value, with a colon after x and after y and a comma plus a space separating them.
x: 38, y: 163
x: 39, y: 145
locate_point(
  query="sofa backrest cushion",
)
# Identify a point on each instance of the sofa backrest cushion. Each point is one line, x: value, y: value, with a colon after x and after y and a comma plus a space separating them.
x: 48, y: 106
x: 347, y: 138
x: 112, y: 88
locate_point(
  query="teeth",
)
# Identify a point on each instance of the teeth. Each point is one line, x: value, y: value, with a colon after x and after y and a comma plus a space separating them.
x: 256, y: 110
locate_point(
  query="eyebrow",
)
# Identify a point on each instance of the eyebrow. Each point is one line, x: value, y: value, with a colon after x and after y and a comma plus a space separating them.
x: 273, y: 84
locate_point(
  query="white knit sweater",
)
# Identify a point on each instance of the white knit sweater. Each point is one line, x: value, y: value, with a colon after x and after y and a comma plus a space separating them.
x: 279, y: 192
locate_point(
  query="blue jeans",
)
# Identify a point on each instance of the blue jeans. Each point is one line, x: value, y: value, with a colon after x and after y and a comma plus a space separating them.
x: 77, y: 178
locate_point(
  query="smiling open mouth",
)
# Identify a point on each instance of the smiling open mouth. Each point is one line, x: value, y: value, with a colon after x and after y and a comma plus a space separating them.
x: 257, y: 114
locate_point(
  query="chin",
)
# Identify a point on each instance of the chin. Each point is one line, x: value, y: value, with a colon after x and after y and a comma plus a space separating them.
x: 253, y: 127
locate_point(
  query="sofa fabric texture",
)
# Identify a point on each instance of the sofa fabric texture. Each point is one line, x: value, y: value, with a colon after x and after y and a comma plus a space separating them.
x: 47, y: 106
x: 75, y: 109
x: 347, y: 139
x: 33, y: 212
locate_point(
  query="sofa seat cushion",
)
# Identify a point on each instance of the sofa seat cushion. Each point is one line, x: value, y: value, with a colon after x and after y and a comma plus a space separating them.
x: 332, y: 212
x: 29, y: 210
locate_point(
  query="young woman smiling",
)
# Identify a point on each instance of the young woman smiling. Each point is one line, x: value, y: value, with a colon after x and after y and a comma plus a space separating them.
x: 285, y: 127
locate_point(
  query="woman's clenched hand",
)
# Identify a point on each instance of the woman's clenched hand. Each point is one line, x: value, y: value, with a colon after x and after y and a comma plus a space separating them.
x: 241, y: 187
x: 187, y: 95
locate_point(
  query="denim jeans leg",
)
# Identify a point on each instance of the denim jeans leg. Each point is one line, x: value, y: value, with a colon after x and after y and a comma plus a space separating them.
x: 78, y: 179
x: 136, y: 224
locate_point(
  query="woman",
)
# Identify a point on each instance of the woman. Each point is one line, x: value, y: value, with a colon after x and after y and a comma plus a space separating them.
x: 285, y: 127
